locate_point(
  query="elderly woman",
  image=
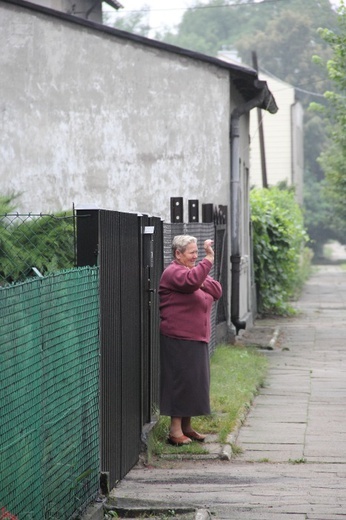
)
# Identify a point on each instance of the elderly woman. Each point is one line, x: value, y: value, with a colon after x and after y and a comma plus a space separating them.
x: 186, y: 293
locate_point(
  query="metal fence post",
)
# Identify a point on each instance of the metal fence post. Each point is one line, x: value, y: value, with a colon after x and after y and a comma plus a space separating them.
x: 87, y: 236
x: 193, y: 210
x: 177, y: 210
x: 207, y: 213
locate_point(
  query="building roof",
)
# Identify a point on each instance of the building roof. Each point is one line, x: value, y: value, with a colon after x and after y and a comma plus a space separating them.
x: 114, y: 4
x: 245, y: 78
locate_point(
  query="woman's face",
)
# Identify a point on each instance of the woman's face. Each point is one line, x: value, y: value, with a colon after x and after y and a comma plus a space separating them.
x: 189, y: 257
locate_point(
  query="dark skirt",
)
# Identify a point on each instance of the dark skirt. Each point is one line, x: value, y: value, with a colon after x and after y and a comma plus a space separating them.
x: 185, y: 378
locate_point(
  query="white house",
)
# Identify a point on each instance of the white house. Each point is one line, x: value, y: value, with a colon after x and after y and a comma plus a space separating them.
x: 283, y: 140
x: 281, y: 157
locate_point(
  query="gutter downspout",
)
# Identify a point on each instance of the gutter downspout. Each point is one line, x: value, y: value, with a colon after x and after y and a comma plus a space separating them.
x: 235, y: 206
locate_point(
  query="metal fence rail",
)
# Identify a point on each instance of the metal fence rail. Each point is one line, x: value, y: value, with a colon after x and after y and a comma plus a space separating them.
x: 49, y: 392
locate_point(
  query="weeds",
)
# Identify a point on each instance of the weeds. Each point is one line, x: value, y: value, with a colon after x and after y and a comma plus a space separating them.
x: 297, y: 461
x: 236, y: 450
x: 237, y: 373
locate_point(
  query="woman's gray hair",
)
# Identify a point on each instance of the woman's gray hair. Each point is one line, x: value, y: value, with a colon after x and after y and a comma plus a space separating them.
x: 180, y: 243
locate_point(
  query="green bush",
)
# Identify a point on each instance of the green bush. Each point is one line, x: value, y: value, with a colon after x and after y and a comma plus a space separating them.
x: 279, y: 240
x: 45, y: 242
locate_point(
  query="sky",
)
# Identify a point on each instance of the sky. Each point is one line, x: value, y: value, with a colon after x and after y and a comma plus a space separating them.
x: 164, y: 13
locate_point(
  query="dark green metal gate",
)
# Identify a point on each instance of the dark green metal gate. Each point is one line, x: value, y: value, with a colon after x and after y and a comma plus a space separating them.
x: 127, y: 248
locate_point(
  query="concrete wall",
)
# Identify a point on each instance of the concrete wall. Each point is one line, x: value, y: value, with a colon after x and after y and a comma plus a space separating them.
x: 92, y: 118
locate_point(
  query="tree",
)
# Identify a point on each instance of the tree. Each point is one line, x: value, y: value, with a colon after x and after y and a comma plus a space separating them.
x: 136, y: 22
x: 333, y: 158
x: 45, y: 242
x: 210, y: 26
x: 319, y: 217
x: 286, y: 48
x: 285, y: 36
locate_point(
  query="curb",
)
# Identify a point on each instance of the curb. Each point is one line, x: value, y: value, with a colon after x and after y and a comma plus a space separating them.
x: 94, y: 511
x: 226, y: 452
x: 134, y: 508
x: 274, y: 339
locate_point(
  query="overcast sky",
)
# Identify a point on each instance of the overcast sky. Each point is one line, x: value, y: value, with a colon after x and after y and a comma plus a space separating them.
x: 163, y: 13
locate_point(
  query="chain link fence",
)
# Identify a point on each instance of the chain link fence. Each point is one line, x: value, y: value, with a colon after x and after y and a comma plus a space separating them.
x: 49, y: 388
x: 35, y: 245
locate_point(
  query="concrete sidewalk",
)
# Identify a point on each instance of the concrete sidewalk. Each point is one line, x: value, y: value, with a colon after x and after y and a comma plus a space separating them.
x: 293, y: 464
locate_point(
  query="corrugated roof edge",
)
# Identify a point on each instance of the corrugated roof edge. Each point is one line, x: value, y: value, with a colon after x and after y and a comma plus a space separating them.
x: 247, y: 78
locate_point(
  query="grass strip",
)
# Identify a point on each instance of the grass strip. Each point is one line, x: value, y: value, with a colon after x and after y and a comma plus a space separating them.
x: 237, y: 373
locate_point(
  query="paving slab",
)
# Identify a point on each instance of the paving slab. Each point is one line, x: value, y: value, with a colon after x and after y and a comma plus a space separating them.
x: 292, y: 463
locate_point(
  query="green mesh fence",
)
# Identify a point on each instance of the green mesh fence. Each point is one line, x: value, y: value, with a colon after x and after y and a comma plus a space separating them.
x: 49, y: 386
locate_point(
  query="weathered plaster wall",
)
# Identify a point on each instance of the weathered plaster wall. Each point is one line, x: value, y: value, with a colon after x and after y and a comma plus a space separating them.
x: 90, y: 118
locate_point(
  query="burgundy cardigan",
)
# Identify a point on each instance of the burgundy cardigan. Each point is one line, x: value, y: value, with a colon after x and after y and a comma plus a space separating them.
x: 184, y: 304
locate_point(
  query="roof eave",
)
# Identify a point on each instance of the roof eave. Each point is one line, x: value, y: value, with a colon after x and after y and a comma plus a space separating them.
x: 114, y: 4
x: 245, y: 78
